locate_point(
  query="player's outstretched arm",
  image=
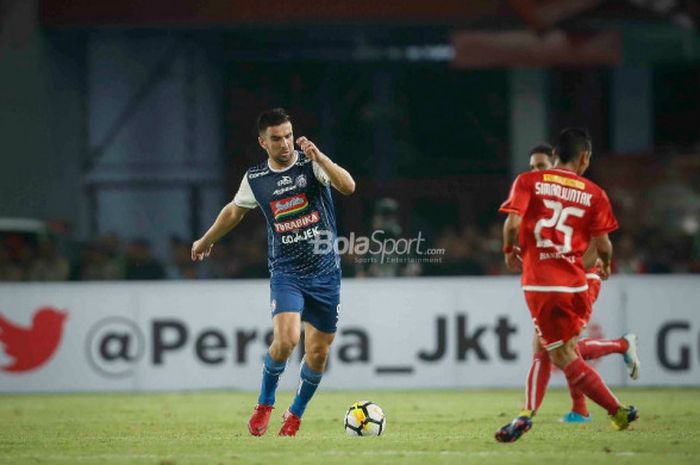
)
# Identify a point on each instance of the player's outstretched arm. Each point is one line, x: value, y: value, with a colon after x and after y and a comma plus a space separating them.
x: 511, y: 251
x: 605, y: 251
x: 228, y: 218
x: 339, y: 176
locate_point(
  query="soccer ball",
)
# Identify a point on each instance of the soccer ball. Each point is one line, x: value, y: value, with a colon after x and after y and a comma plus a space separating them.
x: 365, y: 418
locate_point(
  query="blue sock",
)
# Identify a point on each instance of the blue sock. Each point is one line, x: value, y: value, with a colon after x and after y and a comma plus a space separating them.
x: 272, y: 370
x: 309, y: 381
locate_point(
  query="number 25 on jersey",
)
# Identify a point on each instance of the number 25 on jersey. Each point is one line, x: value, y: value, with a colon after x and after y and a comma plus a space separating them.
x: 546, y: 228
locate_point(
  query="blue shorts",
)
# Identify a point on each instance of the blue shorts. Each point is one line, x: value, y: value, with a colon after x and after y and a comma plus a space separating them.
x: 317, y: 299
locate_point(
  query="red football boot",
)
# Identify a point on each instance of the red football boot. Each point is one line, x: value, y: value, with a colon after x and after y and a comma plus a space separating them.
x: 291, y: 424
x: 257, y: 425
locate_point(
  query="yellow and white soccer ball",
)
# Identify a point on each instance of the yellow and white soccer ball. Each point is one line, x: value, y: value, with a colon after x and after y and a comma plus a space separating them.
x: 365, y: 418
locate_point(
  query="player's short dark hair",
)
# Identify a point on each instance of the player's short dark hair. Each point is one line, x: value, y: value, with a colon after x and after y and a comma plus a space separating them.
x: 573, y: 141
x: 542, y: 148
x: 272, y: 117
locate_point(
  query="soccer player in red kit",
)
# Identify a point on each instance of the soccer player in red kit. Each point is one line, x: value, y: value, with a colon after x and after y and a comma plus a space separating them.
x: 556, y: 213
x: 541, y: 158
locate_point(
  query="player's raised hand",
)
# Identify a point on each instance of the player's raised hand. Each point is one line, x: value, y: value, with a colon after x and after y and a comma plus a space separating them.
x: 201, y: 250
x: 309, y: 148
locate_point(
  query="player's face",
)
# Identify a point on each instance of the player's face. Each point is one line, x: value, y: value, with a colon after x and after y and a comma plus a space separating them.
x: 540, y: 162
x: 278, y: 142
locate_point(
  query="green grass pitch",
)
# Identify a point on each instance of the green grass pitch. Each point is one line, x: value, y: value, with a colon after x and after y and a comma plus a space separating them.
x: 423, y: 427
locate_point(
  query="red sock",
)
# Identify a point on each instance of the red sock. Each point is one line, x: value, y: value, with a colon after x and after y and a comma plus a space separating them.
x: 579, y: 402
x: 537, y: 380
x: 585, y: 379
x: 578, y: 399
x: 591, y: 348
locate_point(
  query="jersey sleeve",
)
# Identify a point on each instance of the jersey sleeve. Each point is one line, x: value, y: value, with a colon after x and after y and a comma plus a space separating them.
x: 604, y: 220
x: 320, y: 174
x: 245, y: 197
x: 518, y: 199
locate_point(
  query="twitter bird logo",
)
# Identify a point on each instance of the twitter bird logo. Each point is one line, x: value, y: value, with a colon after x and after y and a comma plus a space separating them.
x: 32, y: 347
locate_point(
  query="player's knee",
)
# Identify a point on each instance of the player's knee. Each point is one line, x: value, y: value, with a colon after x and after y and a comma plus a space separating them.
x: 284, y: 346
x: 317, y: 356
x: 557, y: 359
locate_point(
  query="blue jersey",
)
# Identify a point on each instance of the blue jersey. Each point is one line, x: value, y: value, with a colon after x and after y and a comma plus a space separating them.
x: 298, y: 209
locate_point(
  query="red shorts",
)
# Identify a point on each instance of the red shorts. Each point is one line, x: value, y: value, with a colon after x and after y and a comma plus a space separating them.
x: 558, y: 316
x: 593, y: 289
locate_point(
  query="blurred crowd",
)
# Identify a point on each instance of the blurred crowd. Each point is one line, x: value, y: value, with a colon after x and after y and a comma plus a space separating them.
x: 29, y: 258
x: 657, y: 203
x: 467, y: 251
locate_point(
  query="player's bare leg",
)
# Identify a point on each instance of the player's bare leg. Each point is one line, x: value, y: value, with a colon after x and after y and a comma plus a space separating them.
x: 317, y: 346
x: 286, y: 328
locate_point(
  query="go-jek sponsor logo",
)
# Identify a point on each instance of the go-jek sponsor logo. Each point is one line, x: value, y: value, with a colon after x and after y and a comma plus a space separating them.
x: 289, y: 206
x: 298, y: 223
x: 300, y: 236
x: 284, y: 190
x: 31, y: 347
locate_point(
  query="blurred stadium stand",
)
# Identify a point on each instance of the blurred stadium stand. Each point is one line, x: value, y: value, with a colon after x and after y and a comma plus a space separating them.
x: 130, y: 123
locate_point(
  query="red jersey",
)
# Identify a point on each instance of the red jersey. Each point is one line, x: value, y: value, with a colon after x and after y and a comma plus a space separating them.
x: 560, y: 213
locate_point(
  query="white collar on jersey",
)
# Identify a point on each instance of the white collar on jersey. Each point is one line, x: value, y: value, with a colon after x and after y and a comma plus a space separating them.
x: 294, y: 161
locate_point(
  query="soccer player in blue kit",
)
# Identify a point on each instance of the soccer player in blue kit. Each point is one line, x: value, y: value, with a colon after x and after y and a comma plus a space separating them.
x: 292, y: 189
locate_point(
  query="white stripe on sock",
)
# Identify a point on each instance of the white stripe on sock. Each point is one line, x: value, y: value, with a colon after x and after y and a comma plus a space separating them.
x: 600, y: 343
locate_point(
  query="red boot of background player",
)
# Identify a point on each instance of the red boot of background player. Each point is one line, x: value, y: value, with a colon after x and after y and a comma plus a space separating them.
x: 257, y: 425
x: 291, y: 424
